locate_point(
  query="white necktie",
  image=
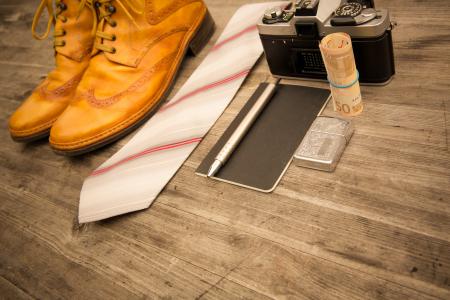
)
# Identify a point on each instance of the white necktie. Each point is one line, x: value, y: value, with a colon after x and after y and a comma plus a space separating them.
x: 133, y: 177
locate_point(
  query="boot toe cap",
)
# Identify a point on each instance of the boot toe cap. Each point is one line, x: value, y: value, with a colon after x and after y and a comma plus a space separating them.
x: 81, y: 127
x: 33, y: 117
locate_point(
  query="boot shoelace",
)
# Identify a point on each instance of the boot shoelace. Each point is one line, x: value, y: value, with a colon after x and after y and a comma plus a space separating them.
x: 106, y: 10
x: 55, y: 15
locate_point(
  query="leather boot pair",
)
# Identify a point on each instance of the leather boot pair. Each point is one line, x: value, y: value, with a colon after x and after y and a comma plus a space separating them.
x: 137, y: 49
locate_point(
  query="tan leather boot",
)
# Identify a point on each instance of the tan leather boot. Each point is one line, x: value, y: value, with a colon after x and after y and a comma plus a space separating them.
x: 140, y: 45
x: 73, y: 40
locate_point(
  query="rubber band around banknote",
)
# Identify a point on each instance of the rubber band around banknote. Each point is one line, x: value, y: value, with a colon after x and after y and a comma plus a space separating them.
x: 347, y: 85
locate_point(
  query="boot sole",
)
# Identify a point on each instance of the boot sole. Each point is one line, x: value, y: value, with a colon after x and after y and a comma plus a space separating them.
x: 197, y: 42
x: 31, y: 138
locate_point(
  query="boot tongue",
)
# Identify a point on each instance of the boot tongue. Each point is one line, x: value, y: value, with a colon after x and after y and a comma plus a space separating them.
x: 126, y: 23
x: 138, y: 24
x: 78, y: 38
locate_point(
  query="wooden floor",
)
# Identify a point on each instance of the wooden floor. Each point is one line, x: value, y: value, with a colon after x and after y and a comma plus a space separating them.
x: 377, y: 228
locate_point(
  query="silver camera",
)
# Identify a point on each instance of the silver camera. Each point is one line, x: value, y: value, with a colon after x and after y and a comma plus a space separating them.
x: 291, y: 35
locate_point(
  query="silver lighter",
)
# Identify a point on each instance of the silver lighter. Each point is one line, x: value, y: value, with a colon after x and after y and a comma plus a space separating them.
x: 324, y: 143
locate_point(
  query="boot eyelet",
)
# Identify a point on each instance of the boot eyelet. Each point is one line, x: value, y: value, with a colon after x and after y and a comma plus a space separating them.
x: 113, y: 38
x: 62, y: 6
x: 63, y: 43
x: 97, y: 4
x: 114, y: 50
x: 113, y: 23
x: 111, y: 9
x: 63, y: 32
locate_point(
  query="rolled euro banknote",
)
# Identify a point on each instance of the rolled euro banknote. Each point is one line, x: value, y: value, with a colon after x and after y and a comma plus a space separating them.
x: 337, y: 54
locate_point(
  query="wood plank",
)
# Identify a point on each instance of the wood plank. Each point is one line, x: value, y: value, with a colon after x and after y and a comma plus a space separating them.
x: 187, y: 238
x: 313, y: 278
x: 47, y: 274
x: 376, y: 228
x: 134, y: 263
x: 226, y: 290
x: 313, y: 228
x: 446, y: 106
x: 12, y: 292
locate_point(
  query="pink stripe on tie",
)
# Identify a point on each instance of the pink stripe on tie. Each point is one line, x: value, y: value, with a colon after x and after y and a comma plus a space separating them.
x: 233, y: 37
x: 144, y: 152
x: 205, y: 88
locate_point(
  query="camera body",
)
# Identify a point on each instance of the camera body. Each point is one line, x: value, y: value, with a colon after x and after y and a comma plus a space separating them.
x: 291, y: 36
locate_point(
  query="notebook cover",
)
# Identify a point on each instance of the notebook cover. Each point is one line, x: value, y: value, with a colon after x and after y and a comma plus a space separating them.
x: 263, y: 155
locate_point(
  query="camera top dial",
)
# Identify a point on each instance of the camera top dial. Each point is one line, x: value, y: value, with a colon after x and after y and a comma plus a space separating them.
x: 364, y: 3
x: 353, y: 13
x: 351, y: 9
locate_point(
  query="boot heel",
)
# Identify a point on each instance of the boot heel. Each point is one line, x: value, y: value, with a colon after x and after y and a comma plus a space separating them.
x: 203, y: 34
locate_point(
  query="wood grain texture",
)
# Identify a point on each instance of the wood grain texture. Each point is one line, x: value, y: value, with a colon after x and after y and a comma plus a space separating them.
x: 376, y: 228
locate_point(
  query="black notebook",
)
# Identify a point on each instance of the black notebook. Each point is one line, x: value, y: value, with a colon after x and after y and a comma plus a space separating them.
x: 264, y: 154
